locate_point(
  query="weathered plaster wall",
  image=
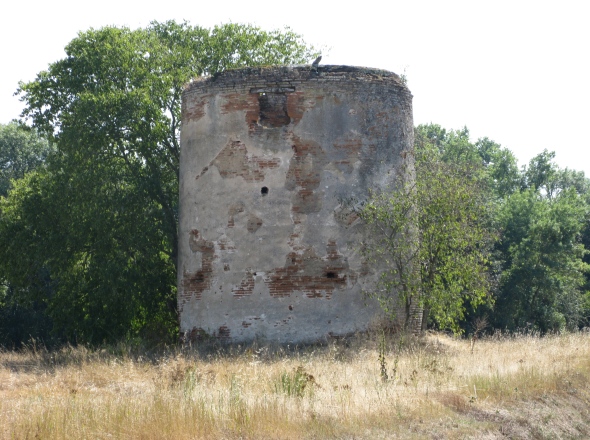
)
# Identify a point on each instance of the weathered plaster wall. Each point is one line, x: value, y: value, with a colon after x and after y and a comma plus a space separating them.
x: 267, y: 154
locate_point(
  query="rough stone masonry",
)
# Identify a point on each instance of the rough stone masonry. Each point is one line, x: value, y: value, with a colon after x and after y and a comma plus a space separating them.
x: 267, y: 250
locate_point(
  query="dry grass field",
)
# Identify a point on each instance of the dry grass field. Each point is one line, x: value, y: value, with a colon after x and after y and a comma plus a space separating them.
x: 431, y: 387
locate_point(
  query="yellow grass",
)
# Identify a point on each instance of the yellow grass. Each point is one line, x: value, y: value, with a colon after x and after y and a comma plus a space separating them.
x: 523, y: 387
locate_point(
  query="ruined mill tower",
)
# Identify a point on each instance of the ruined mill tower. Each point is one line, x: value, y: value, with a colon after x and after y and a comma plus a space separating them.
x: 266, y: 247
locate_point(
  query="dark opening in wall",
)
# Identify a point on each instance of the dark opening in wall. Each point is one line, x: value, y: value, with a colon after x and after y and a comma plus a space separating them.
x: 331, y: 275
x: 264, y: 190
x: 273, y: 109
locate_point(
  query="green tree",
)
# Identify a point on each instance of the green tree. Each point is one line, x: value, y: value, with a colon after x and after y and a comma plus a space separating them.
x: 465, y: 194
x: 543, y: 268
x: 99, y: 279
x: 542, y: 255
x: 496, y: 165
x: 102, y: 219
x: 117, y: 94
x: 501, y: 169
x: 21, y: 151
x: 429, y: 236
x: 455, y: 238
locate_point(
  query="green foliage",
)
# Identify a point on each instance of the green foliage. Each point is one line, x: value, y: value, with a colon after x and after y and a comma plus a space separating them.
x: 500, y: 165
x: 295, y: 383
x: 80, y: 254
x: 88, y: 241
x: 496, y: 166
x: 435, y: 236
x: 541, y: 215
x: 21, y: 151
x: 455, y: 238
x: 429, y: 236
x: 542, y: 256
x: 93, y: 237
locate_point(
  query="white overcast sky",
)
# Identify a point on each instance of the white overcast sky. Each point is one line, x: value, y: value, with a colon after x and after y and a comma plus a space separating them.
x: 515, y: 71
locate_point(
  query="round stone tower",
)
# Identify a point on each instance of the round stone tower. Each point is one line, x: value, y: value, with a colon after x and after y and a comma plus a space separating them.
x: 267, y: 247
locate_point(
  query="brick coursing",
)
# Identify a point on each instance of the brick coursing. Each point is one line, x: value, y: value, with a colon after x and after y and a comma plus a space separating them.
x: 250, y: 122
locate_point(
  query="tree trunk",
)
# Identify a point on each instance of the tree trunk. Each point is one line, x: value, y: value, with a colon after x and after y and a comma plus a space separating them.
x: 425, y: 313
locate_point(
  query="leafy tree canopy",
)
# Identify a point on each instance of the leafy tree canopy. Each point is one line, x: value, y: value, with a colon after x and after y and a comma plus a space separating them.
x: 473, y: 229
x: 541, y: 252
x: 21, y: 151
x: 429, y: 235
x: 94, y: 235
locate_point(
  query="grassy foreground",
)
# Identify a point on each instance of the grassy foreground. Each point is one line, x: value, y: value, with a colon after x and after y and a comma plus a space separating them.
x: 436, y: 387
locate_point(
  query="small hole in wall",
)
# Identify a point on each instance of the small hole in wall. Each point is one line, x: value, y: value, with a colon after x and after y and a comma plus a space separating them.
x: 331, y: 275
x: 264, y: 190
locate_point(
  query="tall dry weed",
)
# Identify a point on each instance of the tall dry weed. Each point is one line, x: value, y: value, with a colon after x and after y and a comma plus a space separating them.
x: 433, y: 386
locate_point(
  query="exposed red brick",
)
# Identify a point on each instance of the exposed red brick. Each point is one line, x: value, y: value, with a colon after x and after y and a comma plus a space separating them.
x: 306, y: 164
x: 314, y: 276
x: 194, y: 284
x: 225, y: 244
x: 223, y: 332
x: 198, y: 243
x: 246, y: 287
x: 234, y: 161
x: 194, y: 109
x: 296, y: 106
x: 332, y: 250
x: 304, y: 175
x: 347, y: 152
x: 351, y: 138
x: 235, y: 102
x: 232, y: 211
x: 293, y: 242
x: 195, y: 334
